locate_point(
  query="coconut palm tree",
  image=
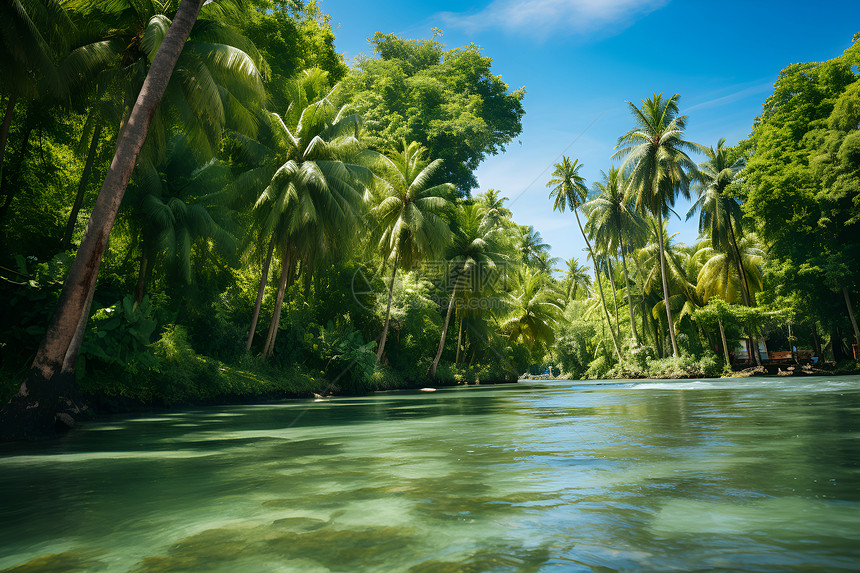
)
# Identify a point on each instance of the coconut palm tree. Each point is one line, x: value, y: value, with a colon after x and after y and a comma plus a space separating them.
x: 409, y: 214
x: 568, y: 191
x: 533, y: 251
x: 493, y: 208
x: 174, y: 209
x: 37, y: 405
x: 611, y: 216
x: 309, y: 183
x: 577, y: 277
x: 471, y: 255
x: 657, y: 166
x: 534, y: 310
x: 720, y: 215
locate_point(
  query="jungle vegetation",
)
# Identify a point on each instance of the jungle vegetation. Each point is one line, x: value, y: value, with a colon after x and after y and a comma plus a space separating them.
x: 204, y: 202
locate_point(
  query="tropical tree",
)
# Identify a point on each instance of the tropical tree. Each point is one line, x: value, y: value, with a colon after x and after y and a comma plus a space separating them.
x: 409, y: 214
x: 309, y: 182
x: 657, y: 166
x: 577, y: 277
x: 41, y: 399
x: 493, y: 208
x: 611, y: 216
x: 472, y: 254
x: 174, y: 208
x: 534, y: 309
x: 568, y: 191
x: 533, y: 251
x: 720, y: 215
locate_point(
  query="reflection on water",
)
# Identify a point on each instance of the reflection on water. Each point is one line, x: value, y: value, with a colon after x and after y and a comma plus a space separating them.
x: 755, y: 474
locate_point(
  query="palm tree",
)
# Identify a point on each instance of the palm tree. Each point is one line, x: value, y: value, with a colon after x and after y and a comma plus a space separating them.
x: 720, y: 216
x: 33, y: 36
x: 173, y: 209
x: 534, y: 310
x: 35, y: 407
x: 577, y: 277
x: 216, y: 86
x: 312, y: 176
x: 471, y: 255
x: 610, y: 216
x: 733, y: 280
x: 658, y: 167
x: 409, y: 214
x: 493, y: 208
x: 531, y: 246
x: 568, y: 191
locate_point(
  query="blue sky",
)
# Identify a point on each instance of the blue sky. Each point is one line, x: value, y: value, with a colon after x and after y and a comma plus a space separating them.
x: 580, y: 60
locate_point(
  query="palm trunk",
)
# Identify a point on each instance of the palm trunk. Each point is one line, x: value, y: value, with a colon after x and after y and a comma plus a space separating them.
x: 141, y: 276
x: 258, y: 304
x: 272, y: 335
x: 82, y: 188
x: 459, y: 342
x: 745, y: 290
x: 611, y: 276
x: 4, y: 129
x: 665, y: 284
x: 853, y: 319
x: 384, y: 336
x: 432, y: 370
x: 599, y: 286
x: 725, y: 345
x: 34, y: 408
x: 629, y: 298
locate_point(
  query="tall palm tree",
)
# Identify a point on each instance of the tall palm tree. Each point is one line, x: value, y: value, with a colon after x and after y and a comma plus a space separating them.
x: 409, y: 214
x: 37, y: 405
x: 658, y: 167
x: 471, y: 255
x: 720, y: 215
x: 577, y: 277
x: 568, y: 191
x: 217, y: 83
x: 312, y: 173
x: 611, y: 216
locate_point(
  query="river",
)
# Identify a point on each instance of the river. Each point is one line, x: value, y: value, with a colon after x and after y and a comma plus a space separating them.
x: 750, y: 474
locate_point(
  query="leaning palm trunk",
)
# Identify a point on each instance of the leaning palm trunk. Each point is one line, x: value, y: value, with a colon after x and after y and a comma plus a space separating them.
x: 260, y: 292
x: 82, y: 188
x: 666, y: 287
x: 286, y: 271
x: 382, y: 339
x: 599, y: 286
x: 610, y: 275
x: 37, y: 406
x: 627, y: 286
x: 459, y: 342
x: 851, y: 316
x: 432, y: 370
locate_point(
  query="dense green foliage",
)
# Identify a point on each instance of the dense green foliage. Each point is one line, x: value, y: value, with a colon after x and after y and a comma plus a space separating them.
x: 297, y: 226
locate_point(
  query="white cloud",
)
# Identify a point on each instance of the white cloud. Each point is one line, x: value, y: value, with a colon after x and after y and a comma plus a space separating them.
x: 546, y: 17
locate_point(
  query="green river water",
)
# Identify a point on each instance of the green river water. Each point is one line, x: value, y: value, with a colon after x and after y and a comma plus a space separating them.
x: 740, y: 474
